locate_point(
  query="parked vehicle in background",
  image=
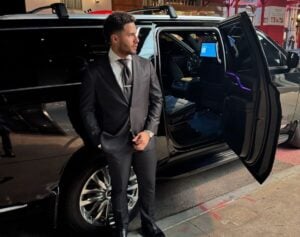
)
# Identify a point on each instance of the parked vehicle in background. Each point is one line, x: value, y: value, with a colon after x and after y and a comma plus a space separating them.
x: 284, y: 69
x: 219, y: 100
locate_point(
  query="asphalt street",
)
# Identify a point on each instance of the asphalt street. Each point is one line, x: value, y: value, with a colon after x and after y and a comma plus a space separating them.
x: 173, y: 196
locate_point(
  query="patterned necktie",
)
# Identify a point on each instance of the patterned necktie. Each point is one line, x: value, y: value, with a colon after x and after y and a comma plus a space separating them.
x: 126, y: 79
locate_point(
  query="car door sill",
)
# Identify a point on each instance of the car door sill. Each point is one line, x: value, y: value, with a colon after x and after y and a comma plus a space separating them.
x: 199, y: 166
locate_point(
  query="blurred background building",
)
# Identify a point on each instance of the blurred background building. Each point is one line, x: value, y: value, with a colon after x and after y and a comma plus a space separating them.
x: 280, y: 19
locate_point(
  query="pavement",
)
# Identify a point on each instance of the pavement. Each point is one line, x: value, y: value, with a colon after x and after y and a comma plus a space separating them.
x: 223, y: 201
x: 271, y: 209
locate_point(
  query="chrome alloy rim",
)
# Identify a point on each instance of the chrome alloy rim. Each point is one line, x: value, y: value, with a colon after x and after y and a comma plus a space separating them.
x: 95, y: 197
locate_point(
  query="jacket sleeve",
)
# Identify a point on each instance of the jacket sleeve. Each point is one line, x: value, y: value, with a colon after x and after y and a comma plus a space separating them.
x: 155, y: 102
x: 88, y: 108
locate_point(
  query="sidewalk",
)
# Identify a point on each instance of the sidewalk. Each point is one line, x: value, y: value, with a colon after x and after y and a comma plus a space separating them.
x: 271, y: 209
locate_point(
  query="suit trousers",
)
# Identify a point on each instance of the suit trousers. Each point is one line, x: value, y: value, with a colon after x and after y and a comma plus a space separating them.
x: 144, y: 165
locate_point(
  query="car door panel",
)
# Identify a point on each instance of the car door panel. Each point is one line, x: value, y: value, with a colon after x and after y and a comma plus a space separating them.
x: 252, y: 109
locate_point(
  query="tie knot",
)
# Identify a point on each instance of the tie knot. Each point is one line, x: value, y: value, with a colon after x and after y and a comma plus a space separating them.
x: 123, y: 62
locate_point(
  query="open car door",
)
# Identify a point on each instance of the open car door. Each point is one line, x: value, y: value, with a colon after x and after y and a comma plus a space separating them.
x: 252, y: 110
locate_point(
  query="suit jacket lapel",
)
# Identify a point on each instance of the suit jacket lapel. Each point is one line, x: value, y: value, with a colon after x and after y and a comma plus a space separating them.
x: 136, y: 81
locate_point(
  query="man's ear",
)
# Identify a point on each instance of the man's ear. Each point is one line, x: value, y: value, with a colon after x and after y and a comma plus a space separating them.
x: 114, y: 38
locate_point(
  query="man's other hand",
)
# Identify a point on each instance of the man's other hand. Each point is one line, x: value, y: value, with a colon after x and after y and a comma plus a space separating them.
x: 141, y: 140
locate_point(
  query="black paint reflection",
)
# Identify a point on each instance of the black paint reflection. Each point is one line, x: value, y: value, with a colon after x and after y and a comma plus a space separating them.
x: 5, y: 135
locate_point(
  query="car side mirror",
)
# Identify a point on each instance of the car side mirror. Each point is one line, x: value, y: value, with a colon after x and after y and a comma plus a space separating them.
x: 292, y: 60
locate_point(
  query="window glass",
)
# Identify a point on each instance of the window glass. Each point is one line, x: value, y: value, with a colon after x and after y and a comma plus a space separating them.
x: 238, y: 54
x: 273, y: 55
x: 46, y: 56
x: 241, y: 59
x: 146, y: 43
x: 40, y: 70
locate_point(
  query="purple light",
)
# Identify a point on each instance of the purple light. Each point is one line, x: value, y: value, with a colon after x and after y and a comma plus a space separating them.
x: 238, y: 81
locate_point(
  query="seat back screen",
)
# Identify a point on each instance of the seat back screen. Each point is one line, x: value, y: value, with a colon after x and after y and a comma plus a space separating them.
x: 208, y: 50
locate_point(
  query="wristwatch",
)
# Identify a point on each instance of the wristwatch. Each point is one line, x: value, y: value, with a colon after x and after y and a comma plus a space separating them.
x: 151, y: 134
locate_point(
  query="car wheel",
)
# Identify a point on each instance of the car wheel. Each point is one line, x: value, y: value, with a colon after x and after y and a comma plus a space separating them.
x: 87, y: 199
x: 295, y: 140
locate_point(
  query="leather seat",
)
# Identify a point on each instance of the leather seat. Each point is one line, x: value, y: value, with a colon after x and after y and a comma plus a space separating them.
x: 178, y: 109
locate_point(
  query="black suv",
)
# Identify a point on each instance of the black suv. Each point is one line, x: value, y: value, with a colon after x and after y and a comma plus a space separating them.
x: 219, y: 100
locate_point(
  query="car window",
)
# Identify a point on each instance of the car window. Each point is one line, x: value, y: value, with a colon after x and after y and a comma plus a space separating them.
x: 43, y: 57
x: 54, y: 56
x: 273, y: 55
x: 146, y: 43
x: 237, y: 45
x: 241, y: 60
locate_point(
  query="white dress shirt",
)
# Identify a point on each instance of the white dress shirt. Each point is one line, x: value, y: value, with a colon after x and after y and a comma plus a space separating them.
x: 117, y: 67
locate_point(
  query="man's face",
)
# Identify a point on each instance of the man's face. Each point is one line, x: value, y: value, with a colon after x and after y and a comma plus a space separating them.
x: 126, y: 41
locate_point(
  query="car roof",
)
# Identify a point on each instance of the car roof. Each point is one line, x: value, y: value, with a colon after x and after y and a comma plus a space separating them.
x: 104, y: 16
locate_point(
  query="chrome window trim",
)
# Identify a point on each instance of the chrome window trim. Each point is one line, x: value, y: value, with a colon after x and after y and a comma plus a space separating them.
x: 40, y: 87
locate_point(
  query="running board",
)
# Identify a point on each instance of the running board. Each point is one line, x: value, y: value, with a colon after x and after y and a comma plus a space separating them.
x: 13, y: 208
x: 196, y: 165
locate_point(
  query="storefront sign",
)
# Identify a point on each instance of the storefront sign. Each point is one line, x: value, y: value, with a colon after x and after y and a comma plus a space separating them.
x: 274, y: 16
x: 248, y: 2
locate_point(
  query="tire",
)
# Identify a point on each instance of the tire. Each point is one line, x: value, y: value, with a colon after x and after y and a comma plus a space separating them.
x: 86, y: 205
x: 295, y: 139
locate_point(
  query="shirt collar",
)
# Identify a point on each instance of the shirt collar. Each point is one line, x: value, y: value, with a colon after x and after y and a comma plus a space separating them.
x: 113, y: 57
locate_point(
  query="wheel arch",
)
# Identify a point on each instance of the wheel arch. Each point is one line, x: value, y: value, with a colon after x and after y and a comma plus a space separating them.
x: 81, y: 158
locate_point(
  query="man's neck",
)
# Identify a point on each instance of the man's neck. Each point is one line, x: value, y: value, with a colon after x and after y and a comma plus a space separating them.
x: 119, y: 53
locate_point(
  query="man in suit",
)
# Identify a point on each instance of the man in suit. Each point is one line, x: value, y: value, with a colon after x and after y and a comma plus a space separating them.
x: 121, y: 104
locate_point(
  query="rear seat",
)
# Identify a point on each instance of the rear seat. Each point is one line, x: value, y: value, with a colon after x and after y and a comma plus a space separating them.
x: 178, y: 109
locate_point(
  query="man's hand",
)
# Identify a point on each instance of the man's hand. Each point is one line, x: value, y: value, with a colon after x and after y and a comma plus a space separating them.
x: 141, y: 140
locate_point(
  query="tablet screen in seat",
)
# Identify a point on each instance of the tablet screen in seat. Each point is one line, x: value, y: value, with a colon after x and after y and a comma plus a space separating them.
x: 208, y: 50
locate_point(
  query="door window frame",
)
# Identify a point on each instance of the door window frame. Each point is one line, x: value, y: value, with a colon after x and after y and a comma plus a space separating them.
x: 282, y: 55
x: 157, y: 61
x: 158, y: 30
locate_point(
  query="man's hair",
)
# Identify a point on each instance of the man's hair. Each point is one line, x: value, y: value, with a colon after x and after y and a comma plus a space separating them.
x: 115, y: 22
